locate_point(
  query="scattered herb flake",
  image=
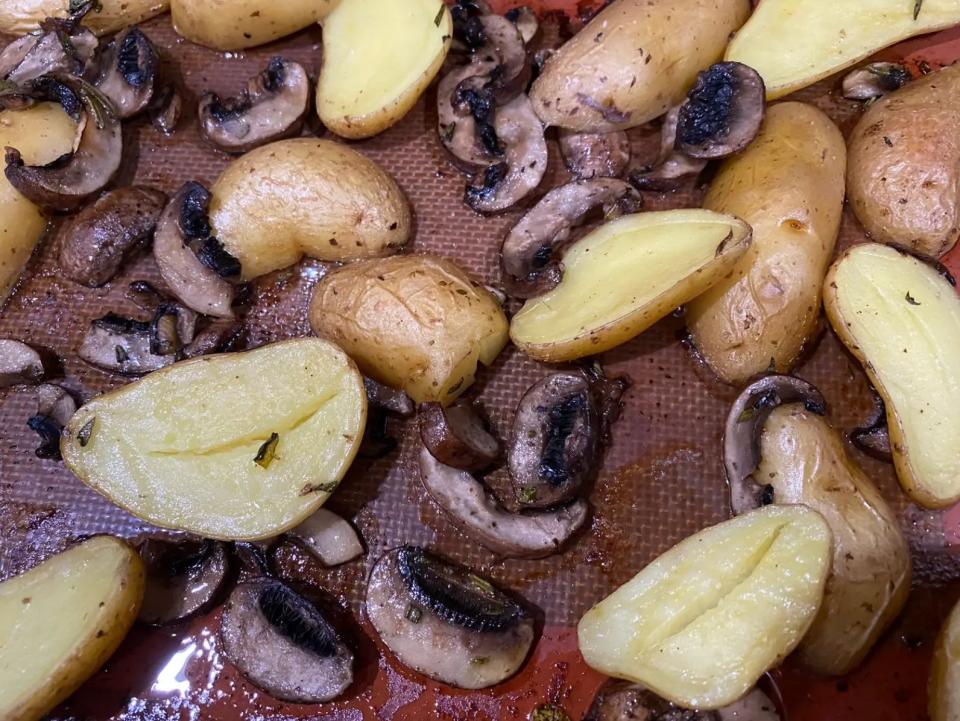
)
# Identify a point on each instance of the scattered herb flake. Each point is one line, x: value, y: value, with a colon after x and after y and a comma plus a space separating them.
x: 746, y: 415
x: 478, y: 660
x: 268, y: 451
x: 549, y: 712
x: 83, y: 437
x: 439, y: 18
x: 911, y: 300
x: 121, y: 354
x: 414, y: 613
x: 527, y: 494
x: 329, y: 487
x: 917, y: 5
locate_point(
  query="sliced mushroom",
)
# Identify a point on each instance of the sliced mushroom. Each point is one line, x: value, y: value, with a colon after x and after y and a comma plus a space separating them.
x: 457, y: 436
x: 671, y: 166
x: 388, y: 399
x: 183, y: 578
x: 526, y: 21
x: 467, y: 30
x: 99, y: 237
x: 55, y: 406
x: 126, y: 346
x: 529, y: 253
x: 166, y: 108
x: 873, y: 438
x: 480, y: 515
x: 193, y: 264
x: 328, y: 537
x: 744, y: 426
x: 595, y: 155
x: 145, y: 295
x: 19, y: 363
x: 128, y: 72
x: 875, y: 80
x: 625, y: 701
x: 382, y: 401
x: 282, y: 643
x: 446, y: 622
x: 465, y: 111
x: 272, y: 107
x: 505, y: 48
x: 504, y: 184
x: 59, y: 47
x: 217, y: 337
x: 68, y: 181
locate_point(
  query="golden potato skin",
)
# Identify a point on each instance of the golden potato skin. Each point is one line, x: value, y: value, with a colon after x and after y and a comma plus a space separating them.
x: 633, y: 61
x: 903, y: 180
x: 307, y: 197
x: 42, y: 134
x: 430, y: 348
x: 18, y: 17
x: 804, y: 460
x: 788, y: 185
x: 943, y: 689
x: 239, y: 24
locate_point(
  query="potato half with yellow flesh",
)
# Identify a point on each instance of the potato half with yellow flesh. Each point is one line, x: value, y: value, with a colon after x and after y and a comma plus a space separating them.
x: 701, y: 624
x: 943, y: 691
x: 18, y: 17
x: 795, y: 43
x: 624, y: 277
x: 61, y: 621
x: 42, y: 134
x: 232, y: 446
x: 239, y: 24
x: 379, y: 56
x: 901, y: 319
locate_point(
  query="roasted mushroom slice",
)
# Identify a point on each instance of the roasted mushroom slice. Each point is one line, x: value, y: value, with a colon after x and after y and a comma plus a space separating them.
x: 465, y: 113
x: 272, y: 107
x: 183, y: 578
x: 625, y: 701
x: 55, y: 406
x: 128, y: 72
x: 125, y: 346
x: 671, y: 166
x: 478, y: 514
x: 166, y: 108
x: 529, y: 253
x: 19, y: 363
x: 595, y: 155
x: 68, y: 181
x: 875, y: 80
x: 741, y: 436
x: 193, y: 264
x: 457, y: 436
x: 99, y: 237
x: 873, y: 438
x: 446, y: 622
x: 218, y: 336
x: 503, y: 185
x: 526, y: 21
x: 504, y: 46
x: 328, y: 537
x: 282, y: 643
x: 388, y: 399
x: 59, y: 47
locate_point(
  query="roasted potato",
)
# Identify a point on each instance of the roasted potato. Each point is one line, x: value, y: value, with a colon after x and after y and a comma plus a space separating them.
x: 415, y: 322
x: 943, y: 691
x: 42, y: 134
x: 901, y: 319
x: 795, y: 43
x: 379, y: 56
x: 625, y: 276
x: 788, y: 185
x: 307, y: 197
x: 61, y: 621
x: 702, y: 623
x: 234, y: 446
x: 903, y: 181
x: 633, y: 62
x: 239, y: 24
x: 18, y: 17
x: 804, y: 461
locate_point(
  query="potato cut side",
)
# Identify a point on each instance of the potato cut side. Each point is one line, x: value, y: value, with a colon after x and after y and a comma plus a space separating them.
x: 901, y: 318
x: 943, y: 691
x: 234, y: 446
x: 625, y: 276
x: 60, y: 621
x: 795, y: 43
x: 705, y: 620
x: 378, y: 58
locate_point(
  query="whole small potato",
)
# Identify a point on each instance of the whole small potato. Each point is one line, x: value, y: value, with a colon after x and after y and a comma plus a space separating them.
x: 943, y: 691
x: 788, y: 185
x: 633, y: 62
x: 308, y: 197
x: 239, y: 24
x: 18, y: 17
x: 903, y: 179
x: 414, y: 322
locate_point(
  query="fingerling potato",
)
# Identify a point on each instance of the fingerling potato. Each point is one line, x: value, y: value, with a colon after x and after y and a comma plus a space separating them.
x: 901, y: 319
x: 60, y: 622
x: 307, y: 197
x: 788, y: 185
x: 903, y: 181
x: 239, y: 24
x: 702, y: 623
x: 625, y: 276
x: 943, y: 689
x: 231, y: 446
x: 415, y: 322
x: 634, y: 61
x: 18, y: 17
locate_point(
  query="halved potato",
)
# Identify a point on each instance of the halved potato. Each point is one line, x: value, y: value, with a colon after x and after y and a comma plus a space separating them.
x: 943, y: 690
x: 239, y: 24
x: 795, y: 43
x: 701, y: 624
x: 901, y: 319
x: 379, y: 56
x: 18, y: 17
x: 624, y: 277
x: 232, y: 446
x: 61, y: 621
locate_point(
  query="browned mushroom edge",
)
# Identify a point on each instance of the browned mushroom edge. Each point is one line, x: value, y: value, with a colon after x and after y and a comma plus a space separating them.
x: 184, y: 578
x: 457, y: 436
x: 593, y: 155
x: 526, y: 21
x: 55, y: 406
x: 744, y: 427
x: 271, y: 107
x: 129, y: 65
x: 60, y: 46
x: 19, y: 363
x: 874, y: 80
x: 873, y: 437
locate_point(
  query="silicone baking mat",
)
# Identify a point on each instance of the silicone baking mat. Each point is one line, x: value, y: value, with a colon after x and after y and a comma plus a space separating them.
x: 661, y: 479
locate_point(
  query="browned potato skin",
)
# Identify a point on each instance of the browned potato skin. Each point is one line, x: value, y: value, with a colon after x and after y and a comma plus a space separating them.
x: 428, y: 347
x: 903, y: 180
x: 943, y: 689
x: 788, y: 185
x: 239, y: 24
x: 633, y: 61
x: 805, y: 462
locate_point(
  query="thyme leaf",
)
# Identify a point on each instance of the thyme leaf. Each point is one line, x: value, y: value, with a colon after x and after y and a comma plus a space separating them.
x: 267, y: 452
